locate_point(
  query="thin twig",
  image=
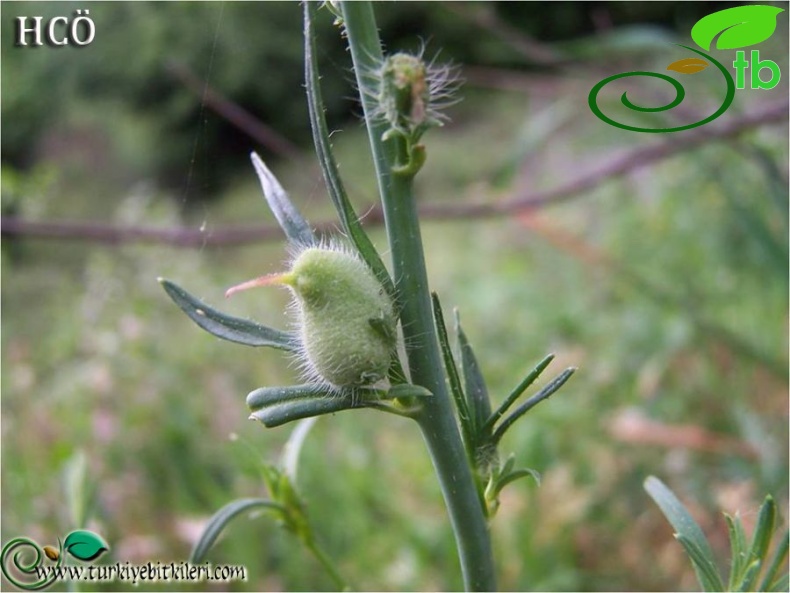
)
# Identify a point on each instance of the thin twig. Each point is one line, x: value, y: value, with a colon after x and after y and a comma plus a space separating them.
x: 236, y: 115
x: 485, y: 17
x: 230, y: 236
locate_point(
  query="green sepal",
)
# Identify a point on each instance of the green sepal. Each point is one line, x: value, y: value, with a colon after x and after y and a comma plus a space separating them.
x: 227, y: 327
x: 224, y: 516
x: 292, y: 223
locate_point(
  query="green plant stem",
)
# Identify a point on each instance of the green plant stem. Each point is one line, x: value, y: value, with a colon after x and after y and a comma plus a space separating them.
x: 436, y: 418
x: 327, y: 563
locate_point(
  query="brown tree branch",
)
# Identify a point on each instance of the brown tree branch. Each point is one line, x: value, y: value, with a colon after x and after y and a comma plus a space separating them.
x: 245, y: 234
x: 236, y: 115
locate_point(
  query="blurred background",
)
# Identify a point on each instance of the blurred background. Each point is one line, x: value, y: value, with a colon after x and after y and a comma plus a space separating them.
x: 656, y: 263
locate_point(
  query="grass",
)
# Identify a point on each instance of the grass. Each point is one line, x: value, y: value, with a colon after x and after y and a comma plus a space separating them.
x: 96, y: 358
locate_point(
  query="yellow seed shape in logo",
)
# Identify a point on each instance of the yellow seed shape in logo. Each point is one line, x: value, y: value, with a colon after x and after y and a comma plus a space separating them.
x: 51, y: 552
x: 688, y: 66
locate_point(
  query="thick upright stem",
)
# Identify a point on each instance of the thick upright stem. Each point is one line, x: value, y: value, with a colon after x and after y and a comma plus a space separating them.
x: 436, y: 419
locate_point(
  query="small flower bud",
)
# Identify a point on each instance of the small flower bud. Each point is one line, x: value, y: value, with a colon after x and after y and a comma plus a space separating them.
x: 411, y: 93
x: 345, y: 318
x: 404, y: 91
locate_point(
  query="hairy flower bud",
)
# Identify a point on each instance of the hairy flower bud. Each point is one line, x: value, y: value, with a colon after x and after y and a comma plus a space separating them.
x: 345, y: 318
x: 404, y: 91
x: 411, y: 93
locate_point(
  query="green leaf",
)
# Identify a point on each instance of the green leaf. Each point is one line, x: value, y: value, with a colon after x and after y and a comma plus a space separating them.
x: 467, y: 429
x: 234, y: 329
x: 295, y: 227
x: 549, y: 390
x: 406, y: 390
x: 688, y: 533
x: 706, y: 572
x: 739, y: 552
x: 293, y: 446
x: 751, y: 572
x: 770, y: 581
x: 516, y: 393
x: 478, y: 401
x: 348, y: 218
x: 221, y: 518
x: 740, y: 26
x: 515, y: 475
x: 80, y: 491
x: 781, y: 584
x: 274, y: 406
x: 85, y: 545
x: 761, y: 539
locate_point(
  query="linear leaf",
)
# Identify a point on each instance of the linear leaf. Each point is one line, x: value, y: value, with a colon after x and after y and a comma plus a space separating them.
x: 406, y: 390
x: 227, y: 327
x: 751, y: 572
x: 707, y: 575
x: 274, y: 406
x: 781, y: 584
x: 467, y: 429
x: 293, y: 224
x: 515, y: 475
x: 533, y: 401
x: 348, y: 218
x: 516, y: 393
x: 761, y: 539
x: 739, y: 552
x: 688, y: 533
x: 478, y: 401
x: 770, y: 580
x: 293, y: 446
x: 220, y: 519
x: 288, y: 411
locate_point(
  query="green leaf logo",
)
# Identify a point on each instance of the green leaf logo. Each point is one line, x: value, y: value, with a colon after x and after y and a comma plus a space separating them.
x: 85, y: 545
x: 736, y: 27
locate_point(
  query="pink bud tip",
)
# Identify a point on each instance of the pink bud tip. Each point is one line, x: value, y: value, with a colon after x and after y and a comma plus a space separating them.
x: 262, y: 281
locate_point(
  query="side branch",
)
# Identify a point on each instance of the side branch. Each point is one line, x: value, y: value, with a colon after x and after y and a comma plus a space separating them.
x: 233, y: 236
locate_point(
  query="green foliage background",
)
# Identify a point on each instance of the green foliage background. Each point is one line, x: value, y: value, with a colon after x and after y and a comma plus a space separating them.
x: 668, y: 289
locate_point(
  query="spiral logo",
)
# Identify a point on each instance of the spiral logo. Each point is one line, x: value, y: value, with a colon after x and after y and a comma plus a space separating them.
x: 683, y: 66
x: 731, y: 28
x: 22, y: 557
